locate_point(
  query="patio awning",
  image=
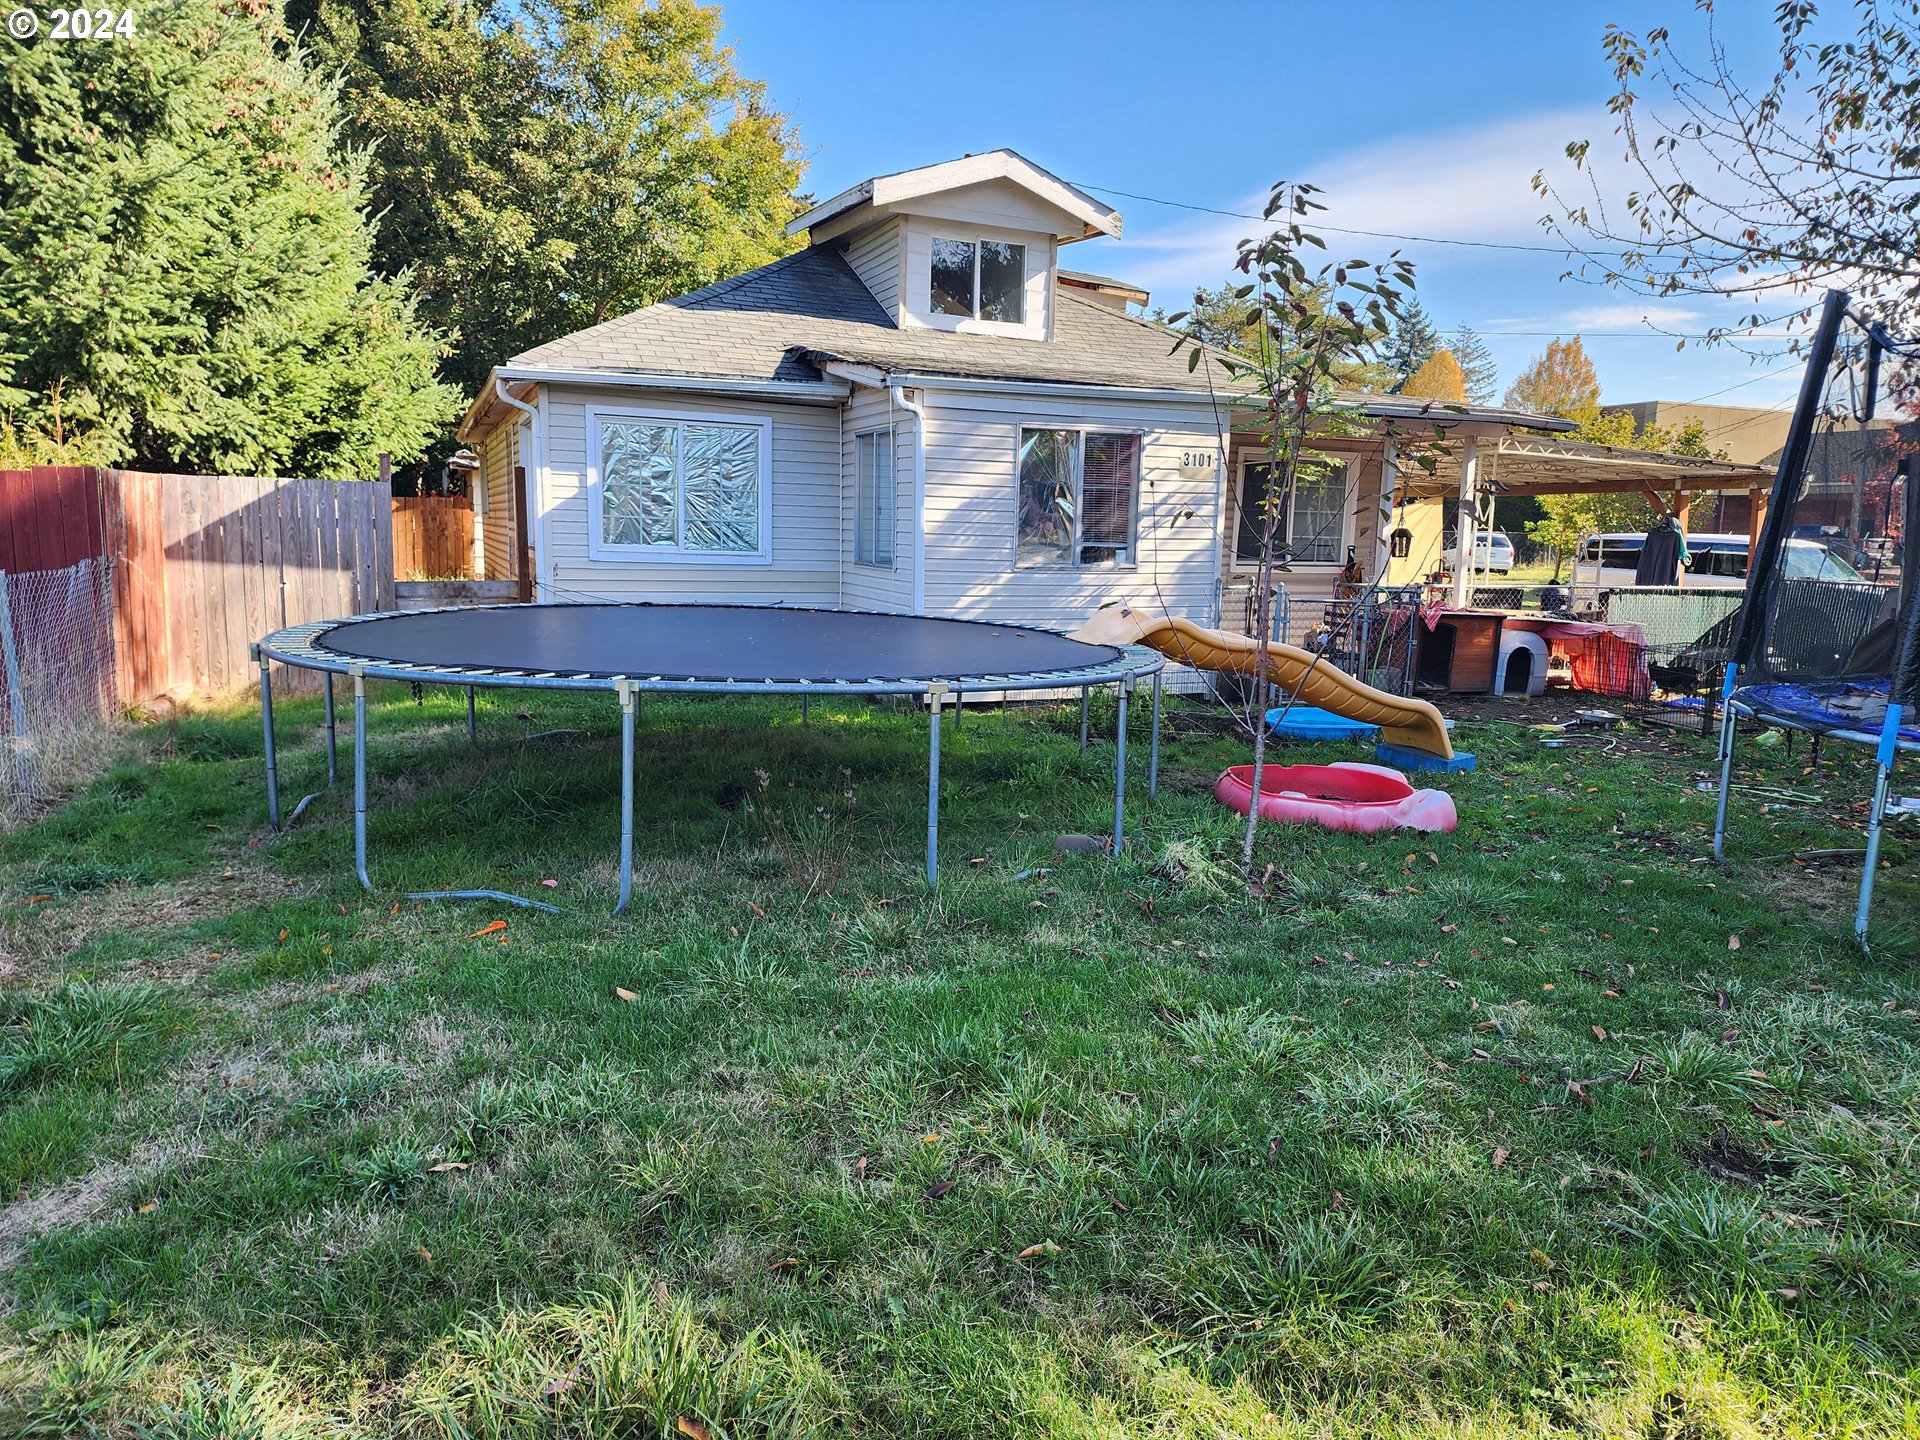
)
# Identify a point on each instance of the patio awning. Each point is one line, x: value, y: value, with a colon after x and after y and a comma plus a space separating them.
x: 1522, y: 464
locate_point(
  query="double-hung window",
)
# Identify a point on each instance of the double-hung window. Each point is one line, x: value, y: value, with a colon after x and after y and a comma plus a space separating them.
x: 980, y: 280
x: 1079, y: 498
x: 873, y: 499
x: 681, y: 487
x: 1310, y: 522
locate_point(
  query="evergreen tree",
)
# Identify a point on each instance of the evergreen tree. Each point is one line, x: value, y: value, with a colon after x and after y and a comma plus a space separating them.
x: 543, y: 165
x: 184, y: 256
x: 1410, y: 346
x: 1560, y: 382
x: 1439, y: 379
x: 1477, y: 365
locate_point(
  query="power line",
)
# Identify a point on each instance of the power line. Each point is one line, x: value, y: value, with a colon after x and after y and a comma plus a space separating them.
x: 1335, y: 229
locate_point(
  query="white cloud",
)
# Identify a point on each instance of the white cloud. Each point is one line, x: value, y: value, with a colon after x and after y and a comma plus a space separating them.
x: 1473, y: 184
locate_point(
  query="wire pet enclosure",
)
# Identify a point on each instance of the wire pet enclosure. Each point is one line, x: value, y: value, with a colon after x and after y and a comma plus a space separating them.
x: 1827, y: 640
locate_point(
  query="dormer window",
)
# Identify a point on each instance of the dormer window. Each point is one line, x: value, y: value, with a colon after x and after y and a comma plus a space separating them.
x: 979, y: 280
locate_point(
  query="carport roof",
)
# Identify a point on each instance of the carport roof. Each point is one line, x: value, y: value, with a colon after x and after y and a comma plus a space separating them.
x: 1521, y: 464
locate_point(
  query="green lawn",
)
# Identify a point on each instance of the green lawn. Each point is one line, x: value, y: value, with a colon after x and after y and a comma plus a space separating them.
x: 1546, y: 1126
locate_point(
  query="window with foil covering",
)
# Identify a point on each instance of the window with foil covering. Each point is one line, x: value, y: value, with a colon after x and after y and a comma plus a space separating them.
x: 1079, y: 498
x: 681, y: 488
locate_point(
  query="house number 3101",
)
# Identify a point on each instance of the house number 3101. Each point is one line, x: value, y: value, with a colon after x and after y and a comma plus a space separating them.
x: 1196, y: 460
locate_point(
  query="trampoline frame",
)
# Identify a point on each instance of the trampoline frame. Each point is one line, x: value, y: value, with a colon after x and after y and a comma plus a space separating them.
x: 297, y: 646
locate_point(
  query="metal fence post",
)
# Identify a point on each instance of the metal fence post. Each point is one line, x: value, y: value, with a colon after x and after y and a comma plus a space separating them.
x: 16, y: 697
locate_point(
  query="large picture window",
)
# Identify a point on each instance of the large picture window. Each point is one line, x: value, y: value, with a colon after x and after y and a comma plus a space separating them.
x: 1079, y: 498
x: 1312, y: 526
x: 681, y: 487
x: 873, y: 499
x: 980, y: 280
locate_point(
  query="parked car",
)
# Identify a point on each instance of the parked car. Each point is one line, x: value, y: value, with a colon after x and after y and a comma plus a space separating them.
x: 1493, y: 555
x: 1714, y: 562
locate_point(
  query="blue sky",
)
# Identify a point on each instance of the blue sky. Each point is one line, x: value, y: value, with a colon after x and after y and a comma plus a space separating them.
x: 1424, y: 118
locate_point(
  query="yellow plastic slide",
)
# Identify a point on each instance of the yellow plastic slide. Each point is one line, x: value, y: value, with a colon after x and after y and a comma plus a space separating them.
x: 1413, y: 723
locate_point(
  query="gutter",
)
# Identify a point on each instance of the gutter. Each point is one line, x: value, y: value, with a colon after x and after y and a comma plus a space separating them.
x: 914, y: 408
x: 801, y: 392
x: 538, y: 471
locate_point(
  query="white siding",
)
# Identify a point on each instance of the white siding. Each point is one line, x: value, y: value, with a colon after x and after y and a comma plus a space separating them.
x: 805, y: 530
x: 972, y: 475
x: 876, y: 255
x: 867, y: 587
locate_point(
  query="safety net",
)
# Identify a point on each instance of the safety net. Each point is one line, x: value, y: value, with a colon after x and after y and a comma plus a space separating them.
x: 1828, y: 632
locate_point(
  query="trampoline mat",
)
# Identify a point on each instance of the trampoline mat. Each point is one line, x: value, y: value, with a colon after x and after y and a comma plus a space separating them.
x: 741, y: 644
x: 1857, y: 706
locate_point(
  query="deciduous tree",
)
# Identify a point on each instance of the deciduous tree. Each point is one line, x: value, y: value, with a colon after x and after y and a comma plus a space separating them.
x: 543, y: 165
x: 1439, y: 379
x: 1561, y: 382
x: 1760, y: 186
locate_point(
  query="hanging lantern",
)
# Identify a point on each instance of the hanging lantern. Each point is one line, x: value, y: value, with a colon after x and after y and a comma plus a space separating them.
x: 1400, y: 542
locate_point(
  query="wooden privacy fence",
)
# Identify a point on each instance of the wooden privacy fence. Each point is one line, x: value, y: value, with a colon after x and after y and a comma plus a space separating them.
x: 433, y: 537
x: 203, y: 565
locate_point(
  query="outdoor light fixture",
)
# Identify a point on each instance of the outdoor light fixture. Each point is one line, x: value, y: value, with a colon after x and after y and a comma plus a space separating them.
x: 1400, y: 542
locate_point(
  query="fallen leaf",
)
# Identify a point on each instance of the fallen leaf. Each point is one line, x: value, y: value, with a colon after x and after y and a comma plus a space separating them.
x: 283, y: 936
x: 426, y: 1255
x: 557, y: 1387
x: 1733, y: 942
x: 756, y: 910
x: 1500, y: 1154
x: 932, y: 1137
x: 624, y: 993
x: 492, y: 927
x: 787, y: 1264
x: 1541, y: 1287
x: 1541, y: 1258
x: 36, y: 899
x: 1611, y: 994
x: 937, y: 1189
x: 1040, y: 1251
x: 1788, y: 1292
x: 1488, y: 1025
x: 148, y: 1208
x: 691, y: 1428
x: 551, y: 884
x: 445, y: 1165
x: 859, y: 1168
x: 1599, y: 1033
x: 394, y: 911
x: 1730, y: 1034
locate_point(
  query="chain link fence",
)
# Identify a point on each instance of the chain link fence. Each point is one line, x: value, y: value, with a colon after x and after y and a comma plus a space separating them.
x: 56, y: 679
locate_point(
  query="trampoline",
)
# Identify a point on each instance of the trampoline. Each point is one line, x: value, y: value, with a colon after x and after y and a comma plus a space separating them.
x: 1825, y: 648
x: 631, y: 649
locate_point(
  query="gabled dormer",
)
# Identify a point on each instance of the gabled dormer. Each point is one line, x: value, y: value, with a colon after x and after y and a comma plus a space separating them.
x: 969, y: 246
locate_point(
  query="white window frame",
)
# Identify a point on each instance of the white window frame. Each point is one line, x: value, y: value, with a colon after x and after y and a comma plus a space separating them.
x: 977, y: 241
x: 1350, y: 495
x: 1074, y: 563
x: 882, y: 446
x: 598, y: 548
x: 916, y: 288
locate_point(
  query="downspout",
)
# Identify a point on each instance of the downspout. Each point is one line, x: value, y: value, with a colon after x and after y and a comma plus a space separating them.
x: 536, y: 473
x: 913, y: 408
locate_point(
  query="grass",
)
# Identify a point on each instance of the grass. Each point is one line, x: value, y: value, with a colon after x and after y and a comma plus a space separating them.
x: 1545, y: 1126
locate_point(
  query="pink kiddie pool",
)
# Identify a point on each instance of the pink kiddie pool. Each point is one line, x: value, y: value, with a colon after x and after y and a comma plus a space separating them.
x: 1343, y: 796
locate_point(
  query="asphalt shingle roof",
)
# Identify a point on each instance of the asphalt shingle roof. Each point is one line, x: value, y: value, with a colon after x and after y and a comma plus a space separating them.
x: 772, y: 323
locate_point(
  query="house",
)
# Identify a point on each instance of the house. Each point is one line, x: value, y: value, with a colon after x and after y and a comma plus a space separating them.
x: 922, y: 411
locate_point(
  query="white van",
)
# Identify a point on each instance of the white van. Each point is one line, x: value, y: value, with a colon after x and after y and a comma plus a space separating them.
x: 1493, y: 555
x: 1714, y: 562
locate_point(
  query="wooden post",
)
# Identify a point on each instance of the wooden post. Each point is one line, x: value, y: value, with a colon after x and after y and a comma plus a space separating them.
x: 1383, y: 525
x: 1467, y: 527
x: 1682, y: 516
x: 1756, y: 517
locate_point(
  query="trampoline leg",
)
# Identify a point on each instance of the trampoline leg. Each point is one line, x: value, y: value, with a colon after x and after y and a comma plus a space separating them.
x: 360, y: 777
x: 803, y: 710
x: 1153, y: 749
x: 1726, y: 764
x: 266, y: 732
x: 626, y: 795
x: 1086, y: 691
x: 333, y: 737
x: 1120, y: 769
x: 959, y: 704
x: 473, y: 728
x: 1882, y: 783
x: 936, y: 698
